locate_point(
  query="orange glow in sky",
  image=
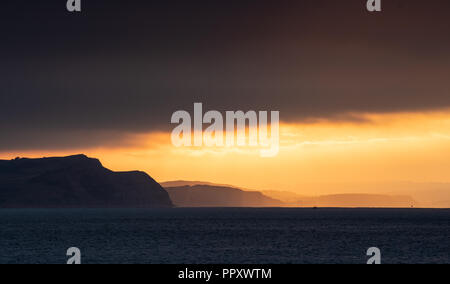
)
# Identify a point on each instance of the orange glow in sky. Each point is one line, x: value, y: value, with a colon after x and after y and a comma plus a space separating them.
x: 382, y: 148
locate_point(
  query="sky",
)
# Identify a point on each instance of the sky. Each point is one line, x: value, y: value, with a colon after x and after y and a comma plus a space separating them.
x: 362, y: 97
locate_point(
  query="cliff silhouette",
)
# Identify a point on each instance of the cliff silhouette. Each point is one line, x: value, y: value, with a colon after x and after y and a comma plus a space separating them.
x: 75, y: 182
x: 207, y: 194
x: 202, y: 195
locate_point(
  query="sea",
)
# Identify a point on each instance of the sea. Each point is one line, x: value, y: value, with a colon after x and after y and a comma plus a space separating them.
x: 224, y: 235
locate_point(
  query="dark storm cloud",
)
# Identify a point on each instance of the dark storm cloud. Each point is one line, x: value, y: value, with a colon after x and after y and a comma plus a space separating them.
x: 126, y: 66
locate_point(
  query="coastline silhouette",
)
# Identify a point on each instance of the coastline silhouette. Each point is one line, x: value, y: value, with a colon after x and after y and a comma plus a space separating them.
x: 75, y: 182
x: 81, y: 182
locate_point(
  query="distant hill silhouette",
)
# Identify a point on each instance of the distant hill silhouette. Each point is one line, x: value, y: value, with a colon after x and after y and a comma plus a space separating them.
x: 179, y: 183
x: 343, y: 200
x: 207, y: 194
x: 75, y: 182
x: 219, y: 196
x: 360, y: 200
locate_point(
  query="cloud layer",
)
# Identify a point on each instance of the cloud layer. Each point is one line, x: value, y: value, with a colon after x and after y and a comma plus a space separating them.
x: 118, y: 67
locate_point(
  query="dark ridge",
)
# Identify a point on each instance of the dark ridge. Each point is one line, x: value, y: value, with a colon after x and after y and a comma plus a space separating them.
x: 219, y: 196
x: 75, y: 182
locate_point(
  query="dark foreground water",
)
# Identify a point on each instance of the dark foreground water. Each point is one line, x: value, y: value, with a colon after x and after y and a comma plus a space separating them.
x: 221, y: 236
